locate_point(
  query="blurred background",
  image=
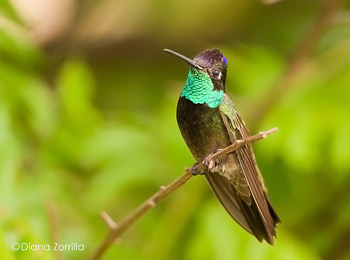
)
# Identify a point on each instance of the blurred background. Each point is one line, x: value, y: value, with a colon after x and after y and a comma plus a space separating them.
x: 87, y: 124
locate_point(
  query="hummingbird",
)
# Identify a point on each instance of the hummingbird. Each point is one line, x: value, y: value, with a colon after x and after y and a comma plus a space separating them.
x: 209, y: 121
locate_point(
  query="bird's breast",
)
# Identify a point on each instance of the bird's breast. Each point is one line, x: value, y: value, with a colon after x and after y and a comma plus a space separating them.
x: 201, y: 127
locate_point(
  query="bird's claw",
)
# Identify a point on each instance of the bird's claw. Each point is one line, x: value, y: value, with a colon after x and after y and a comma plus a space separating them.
x: 209, y: 162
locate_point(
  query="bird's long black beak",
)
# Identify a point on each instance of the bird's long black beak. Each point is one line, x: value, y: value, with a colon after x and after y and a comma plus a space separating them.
x: 184, y: 58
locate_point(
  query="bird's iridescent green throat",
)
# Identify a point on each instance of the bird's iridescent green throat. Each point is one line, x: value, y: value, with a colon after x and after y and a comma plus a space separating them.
x: 199, y: 89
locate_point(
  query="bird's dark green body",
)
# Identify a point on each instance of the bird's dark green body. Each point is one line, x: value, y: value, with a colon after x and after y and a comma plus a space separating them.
x: 201, y: 122
x: 209, y: 121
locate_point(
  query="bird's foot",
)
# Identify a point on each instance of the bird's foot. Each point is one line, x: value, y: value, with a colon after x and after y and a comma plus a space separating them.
x: 210, y: 162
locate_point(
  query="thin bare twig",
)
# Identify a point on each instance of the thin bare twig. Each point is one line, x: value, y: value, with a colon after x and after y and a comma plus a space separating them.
x: 240, y: 143
x: 117, y: 229
x: 270, y: 2
x: 109, y: 221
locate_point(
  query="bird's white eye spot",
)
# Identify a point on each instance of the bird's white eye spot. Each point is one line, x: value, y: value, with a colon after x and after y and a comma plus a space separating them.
x: 217, y: 74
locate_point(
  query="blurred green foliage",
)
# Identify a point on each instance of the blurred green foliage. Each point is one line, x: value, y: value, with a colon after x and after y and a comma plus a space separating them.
x: 93, y: 128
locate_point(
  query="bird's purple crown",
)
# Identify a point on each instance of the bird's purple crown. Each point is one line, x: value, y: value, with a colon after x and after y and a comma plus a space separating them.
x: 209, y: 57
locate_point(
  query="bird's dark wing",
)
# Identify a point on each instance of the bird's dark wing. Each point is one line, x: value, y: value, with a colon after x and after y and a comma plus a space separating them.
x: 228, y: 198
x: 259, y: 215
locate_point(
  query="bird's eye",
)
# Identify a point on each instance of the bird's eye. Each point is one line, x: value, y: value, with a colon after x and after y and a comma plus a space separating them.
x: 217, y: 74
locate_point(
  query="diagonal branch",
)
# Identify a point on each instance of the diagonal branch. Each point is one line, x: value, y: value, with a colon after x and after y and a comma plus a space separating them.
x: 118, y: 229
x: 240, y: 143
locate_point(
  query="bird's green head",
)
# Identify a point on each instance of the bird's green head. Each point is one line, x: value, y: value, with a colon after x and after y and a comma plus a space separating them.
x: 206, y: 78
